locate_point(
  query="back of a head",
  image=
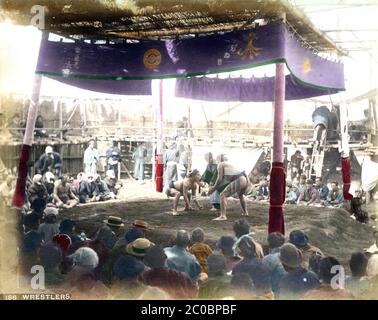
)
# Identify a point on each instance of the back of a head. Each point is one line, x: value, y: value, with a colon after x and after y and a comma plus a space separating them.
x: 50, y: 256
x: 358, y: 264
x: 127, y: 268
x: 198, y: 235
x: 216, y: 264
x: 247, y: 248
x: 241, y: 227
x: 182, y: 239
x: 85, y: 257
x: 275, y: 240
x: 326, y: 269
x: 243, y: 282
x: 225, y: 244
x: 155, y: 258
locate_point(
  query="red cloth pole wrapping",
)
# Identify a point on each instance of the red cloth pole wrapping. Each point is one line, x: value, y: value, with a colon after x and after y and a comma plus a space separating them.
x: 277, y: 198
x: 159, y: 173
x: 159, y: 147
x: 345, y: 169
x: 19, y: 194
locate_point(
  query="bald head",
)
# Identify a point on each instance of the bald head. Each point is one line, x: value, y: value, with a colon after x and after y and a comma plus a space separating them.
x: 182, y: 239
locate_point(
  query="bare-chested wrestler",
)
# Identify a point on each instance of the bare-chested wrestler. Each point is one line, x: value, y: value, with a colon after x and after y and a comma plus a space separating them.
x: 63, y: 195
x: 230, y: 180
x: 182, y: 188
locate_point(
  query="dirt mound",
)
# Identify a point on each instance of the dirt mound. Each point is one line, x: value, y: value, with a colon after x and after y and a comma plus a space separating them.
x: 332, y: 230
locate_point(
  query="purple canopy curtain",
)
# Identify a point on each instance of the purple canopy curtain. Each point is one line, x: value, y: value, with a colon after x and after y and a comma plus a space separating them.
x: 241, y: 89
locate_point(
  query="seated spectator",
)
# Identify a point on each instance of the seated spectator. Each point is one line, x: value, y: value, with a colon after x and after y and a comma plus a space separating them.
x: 50, y: 257
x: 50, y: 227
x: 327, y: 291
x: 181, y: 260
x: 301, y: 241
x: 263, y: 190
x: 177, y: 284
x: 259, y: 272
x: 358, y: 283
x: 310, y: 196
x: 272, y: 260
x: 50, y: 161
x: 67, y: 226
x: 31, y: 243
x: 357, y: 212
x: 300, y: 185
x: 129, y: 236
x: 63, y: 241
x: 322, y: 188
x: 127, y: 274
x: 242, y: 229
x: 63, y: 196
x: 37, y: 194
x: 49, y: 183
x: 87, y: 189
x: 111, y: 181
x: 200, y: 249
x: 291, y: 195
x: 335, y: 196
x: 31, y: 221
x: 101, y: 191
x: 298, y: 280
x: 225, y: 245
x: 218, y: 284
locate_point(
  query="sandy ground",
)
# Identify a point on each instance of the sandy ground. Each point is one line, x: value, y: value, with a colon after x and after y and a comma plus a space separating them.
x: 332, y: 230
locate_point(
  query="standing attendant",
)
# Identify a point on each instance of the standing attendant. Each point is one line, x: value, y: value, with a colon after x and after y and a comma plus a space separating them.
x: 139, y: 157
x: 91, y: 157
x: 113, y: 158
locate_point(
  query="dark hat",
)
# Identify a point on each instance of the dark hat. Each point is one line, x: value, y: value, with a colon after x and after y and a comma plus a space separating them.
x: 127, y: 268
x: 290, y: 255
x: 298, y: 238
x: 141, y: 224
x: 133, y: 234
x: 63, y: 241
x: 114, y: 222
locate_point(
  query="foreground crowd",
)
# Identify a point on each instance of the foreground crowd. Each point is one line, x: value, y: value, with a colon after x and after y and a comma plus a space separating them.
x: 124, y: 264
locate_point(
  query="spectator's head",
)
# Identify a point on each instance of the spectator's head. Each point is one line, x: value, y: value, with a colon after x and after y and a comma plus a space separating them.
x: 246, y: 247
x: 49, y: 177
x: 67, y: 226
x: 290, y: 257
x: 51, y: 214
x: 372, y: 267
x: 334, y: 186
x: 327, y: 269
x: 358, y: 264
x: 128, y: 268
x: 182, y: 239
x: 298, y: 238
x: 241, y: 227
x: 65, y: 179
x: 31, y: 221
x: 97, y: 178
x: 198, y: 235
x: 275, y: 240
x: 37, y: 179
x: 50, y: 256
x: 309, y: 184
x: 155, y: 258
x: 85, y: 257
x: 91, y: 144
x: 216, y: 263
x: 314, y: 262
x: 63, y: 241
x: 106, y: 237
x: 32, y: 241
x: 298, y: 153
x: 133, y: 234
x: 209, y: 157
x: 139, y: 247
x: 318, y: 181
x: 49, y: 151
x: 225, y: 244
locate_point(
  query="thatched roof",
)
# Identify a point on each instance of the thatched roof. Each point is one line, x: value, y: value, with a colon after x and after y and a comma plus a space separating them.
x: 151, y: 19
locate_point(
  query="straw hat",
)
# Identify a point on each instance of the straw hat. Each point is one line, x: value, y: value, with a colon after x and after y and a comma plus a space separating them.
x: 141, y: 224
x: 139, y: 247
x: 114, y: 222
